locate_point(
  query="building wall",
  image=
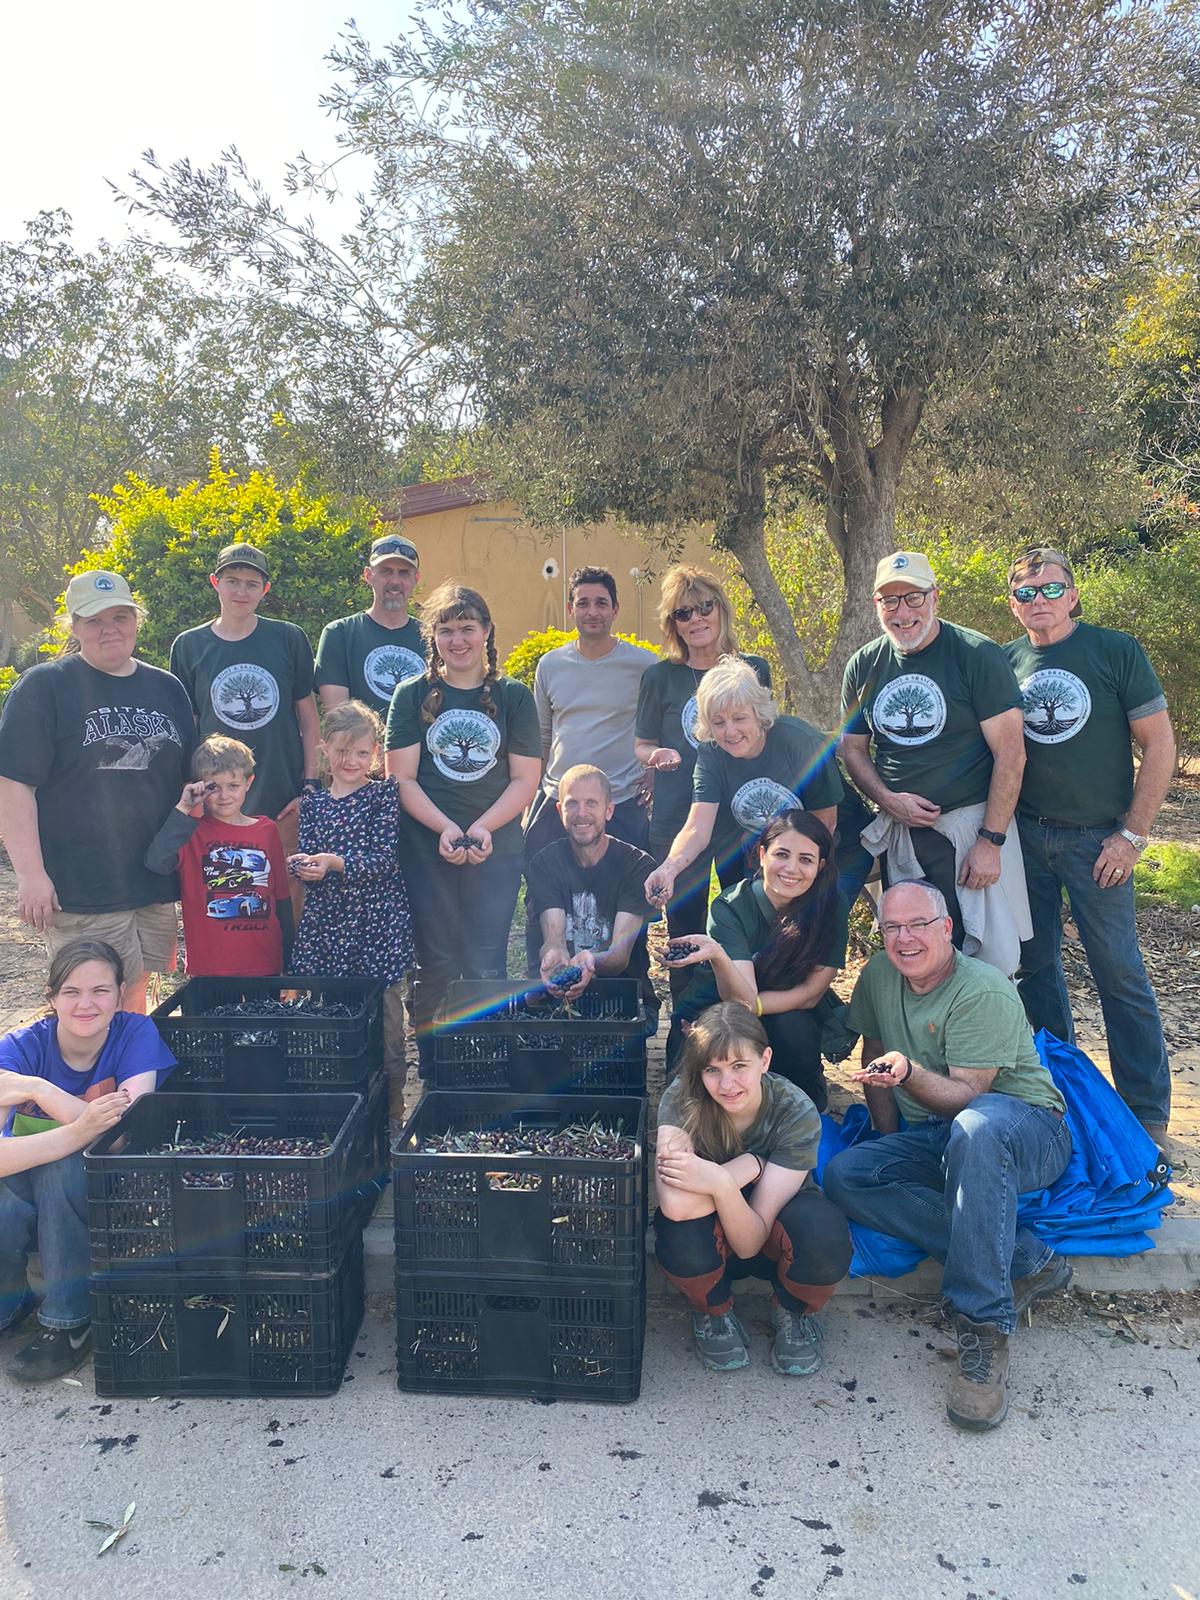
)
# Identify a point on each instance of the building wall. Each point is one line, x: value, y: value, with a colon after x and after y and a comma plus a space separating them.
x: 523, y: 575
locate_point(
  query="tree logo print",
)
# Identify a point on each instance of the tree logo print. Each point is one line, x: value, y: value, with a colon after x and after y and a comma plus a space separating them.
x: 756, y: 802
x: 1055, y: 704
x: 389, y: 665
x: 910, y: 709
x: 464, y: 745
x: 689, y: 717
x: 245, y: 696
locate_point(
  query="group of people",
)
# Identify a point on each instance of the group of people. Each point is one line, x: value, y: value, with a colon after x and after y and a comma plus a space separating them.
x: 390, y: 831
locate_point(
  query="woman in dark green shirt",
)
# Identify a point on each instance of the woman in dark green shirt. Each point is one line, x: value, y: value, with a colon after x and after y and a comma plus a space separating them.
x: 775, y: 942
x: 464, y: 746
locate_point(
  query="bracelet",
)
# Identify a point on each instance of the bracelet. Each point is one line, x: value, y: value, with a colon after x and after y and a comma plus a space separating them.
x: 907, y: 1071
x: 762, y: 1166
x: 311, y: 783
x: 758, y: 1010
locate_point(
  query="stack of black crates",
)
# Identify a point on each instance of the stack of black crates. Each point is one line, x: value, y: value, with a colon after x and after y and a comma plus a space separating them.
x: 241, y: 1274
x: 524, y: 1274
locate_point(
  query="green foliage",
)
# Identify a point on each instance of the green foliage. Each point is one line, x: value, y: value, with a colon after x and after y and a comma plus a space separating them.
x: 166, y: 544
x: 8, y: 677
x: 1168, y: 874
x: 521, y: 661
x: 1156, y: 356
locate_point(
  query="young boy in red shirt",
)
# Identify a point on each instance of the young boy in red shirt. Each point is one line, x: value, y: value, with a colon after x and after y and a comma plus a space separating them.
x: 233, y: 883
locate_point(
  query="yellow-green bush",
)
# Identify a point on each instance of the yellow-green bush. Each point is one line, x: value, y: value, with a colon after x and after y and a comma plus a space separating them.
x: 1168, y: 874
x: 8, y: 676
x: 521, y: 661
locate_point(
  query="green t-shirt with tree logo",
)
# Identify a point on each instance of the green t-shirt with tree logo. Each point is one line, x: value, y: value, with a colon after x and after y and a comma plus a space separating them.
x: 247, y: 689
x: 923, y: 712
x: 369, y: 660
x: 974, y: 1019
x: 1079, y: 697
x: 463, y: 764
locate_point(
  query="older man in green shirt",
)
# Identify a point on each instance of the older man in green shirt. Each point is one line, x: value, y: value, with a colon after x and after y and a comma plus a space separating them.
x: 947, y: 1047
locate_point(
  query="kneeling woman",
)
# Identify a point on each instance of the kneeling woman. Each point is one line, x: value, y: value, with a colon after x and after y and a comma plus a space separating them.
x: 63, y: 1081
x: 737, y: 1145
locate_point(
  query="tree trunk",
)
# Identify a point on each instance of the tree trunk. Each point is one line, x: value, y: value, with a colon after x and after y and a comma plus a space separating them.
x: 6, y: 631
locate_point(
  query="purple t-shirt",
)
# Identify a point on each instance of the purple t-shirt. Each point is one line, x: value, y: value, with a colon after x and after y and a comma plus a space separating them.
x: 133, y: 1046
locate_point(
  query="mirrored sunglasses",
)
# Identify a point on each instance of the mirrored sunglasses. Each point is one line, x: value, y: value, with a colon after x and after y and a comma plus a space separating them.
x: 1030, y: 591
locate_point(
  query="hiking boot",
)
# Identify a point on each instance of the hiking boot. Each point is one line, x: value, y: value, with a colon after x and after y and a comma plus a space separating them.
x: 796, y: 1349
x: 721, y: 1341
x: 978, y: 1393
x: 1055, y: 1275
x: 54, y: 1353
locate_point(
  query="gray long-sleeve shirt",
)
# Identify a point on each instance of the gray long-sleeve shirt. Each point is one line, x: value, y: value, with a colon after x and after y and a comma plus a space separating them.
x: 586, y: 710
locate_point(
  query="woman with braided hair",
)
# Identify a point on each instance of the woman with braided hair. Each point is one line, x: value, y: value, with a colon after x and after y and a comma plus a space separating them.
x: 464, y: 746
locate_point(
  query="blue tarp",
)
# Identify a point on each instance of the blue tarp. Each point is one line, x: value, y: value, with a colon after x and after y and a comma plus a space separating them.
x: 1112, y: 1192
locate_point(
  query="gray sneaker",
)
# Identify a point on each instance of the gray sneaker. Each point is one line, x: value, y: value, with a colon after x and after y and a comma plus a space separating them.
x: 721, y: 1341
x: 796, y: 1350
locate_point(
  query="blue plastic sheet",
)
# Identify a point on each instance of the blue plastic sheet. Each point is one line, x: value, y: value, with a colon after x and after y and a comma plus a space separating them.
x: 1107, y: 1200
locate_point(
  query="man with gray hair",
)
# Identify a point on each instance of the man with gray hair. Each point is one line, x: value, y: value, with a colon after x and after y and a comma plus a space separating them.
x: 946, y: 1046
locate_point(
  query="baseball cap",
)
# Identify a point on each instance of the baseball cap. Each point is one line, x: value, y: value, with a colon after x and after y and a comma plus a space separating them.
x: 905, y: 566
x: 394, y: 547
x: 89, y: 593
x: 242, y: 555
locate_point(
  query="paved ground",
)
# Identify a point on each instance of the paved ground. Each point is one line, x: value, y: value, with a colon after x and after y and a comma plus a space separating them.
x: 850, y: 1484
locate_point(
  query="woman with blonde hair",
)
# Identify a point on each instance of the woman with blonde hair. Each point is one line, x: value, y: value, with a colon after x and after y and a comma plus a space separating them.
x: 697, y: 626
x: 464, y: 745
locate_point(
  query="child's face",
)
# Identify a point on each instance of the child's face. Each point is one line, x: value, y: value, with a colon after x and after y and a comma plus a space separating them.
x: 225, y: 794
x: 351, y: 756
x: 88, y: 999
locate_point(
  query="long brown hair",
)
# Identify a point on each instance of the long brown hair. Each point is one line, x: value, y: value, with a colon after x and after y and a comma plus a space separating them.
x: 716, y: 1034
x: 453, y: 602
x: 802, y: 928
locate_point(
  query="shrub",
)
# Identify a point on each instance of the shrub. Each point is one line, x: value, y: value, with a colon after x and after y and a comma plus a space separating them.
x: 521, y: 661
x: 8, y: 676
x: 1168, y: 874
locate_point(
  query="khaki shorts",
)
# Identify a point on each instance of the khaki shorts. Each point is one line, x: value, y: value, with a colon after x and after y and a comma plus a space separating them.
x: 144, y: 939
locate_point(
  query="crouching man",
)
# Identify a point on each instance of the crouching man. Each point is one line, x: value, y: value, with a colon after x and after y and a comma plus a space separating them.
x: 947, y: 1047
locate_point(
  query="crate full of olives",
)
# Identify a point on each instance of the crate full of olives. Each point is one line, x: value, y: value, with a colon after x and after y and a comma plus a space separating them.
x: 522, y: 1186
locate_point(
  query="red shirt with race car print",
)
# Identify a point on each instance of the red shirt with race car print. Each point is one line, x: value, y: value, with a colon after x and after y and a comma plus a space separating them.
x: 229, y: 881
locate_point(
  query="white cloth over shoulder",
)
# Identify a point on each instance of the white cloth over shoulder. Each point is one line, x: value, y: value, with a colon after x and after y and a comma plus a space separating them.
x: 996, y: 919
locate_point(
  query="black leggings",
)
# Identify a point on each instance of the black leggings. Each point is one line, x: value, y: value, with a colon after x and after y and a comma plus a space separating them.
x: 795, y: 1040
x: 806, y: 1255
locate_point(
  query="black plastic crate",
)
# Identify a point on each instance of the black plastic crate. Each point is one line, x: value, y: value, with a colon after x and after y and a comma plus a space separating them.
x: 198, y: 1334
x: 280, y: 1053
x: 485, y: 1039
x: 581, y: 1218
x: 263, y: 1214
x: 558, y: 1340
x: 375, y: 1171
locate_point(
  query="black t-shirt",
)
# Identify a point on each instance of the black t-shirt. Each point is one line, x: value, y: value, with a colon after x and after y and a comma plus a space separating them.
x: 108, y: 757
x: 591, y: 897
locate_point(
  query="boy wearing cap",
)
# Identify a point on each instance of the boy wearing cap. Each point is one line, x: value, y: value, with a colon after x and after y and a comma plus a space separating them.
x: 365, y: 656
x: 934, y: 736
x: 251, y: 678
x: 94, y: 747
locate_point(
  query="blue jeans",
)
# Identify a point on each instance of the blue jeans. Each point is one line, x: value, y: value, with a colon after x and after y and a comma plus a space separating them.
x: 1058, y: 857
x: 951, y: 1188
x: 45, y: 1209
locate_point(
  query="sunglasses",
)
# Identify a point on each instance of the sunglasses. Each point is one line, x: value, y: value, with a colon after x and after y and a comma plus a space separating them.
x: 914, y: 600
x: 1030, y: 591
x: 686, y: 613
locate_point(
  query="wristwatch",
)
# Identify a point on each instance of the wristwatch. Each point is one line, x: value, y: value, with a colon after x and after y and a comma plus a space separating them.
x: 1135, y: 839
x: 992, y: 836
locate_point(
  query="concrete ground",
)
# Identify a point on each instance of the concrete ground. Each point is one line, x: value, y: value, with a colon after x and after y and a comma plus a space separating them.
x: 848, y: 1484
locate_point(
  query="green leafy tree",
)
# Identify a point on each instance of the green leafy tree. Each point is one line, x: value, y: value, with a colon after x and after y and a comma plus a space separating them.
x: 521, y: 661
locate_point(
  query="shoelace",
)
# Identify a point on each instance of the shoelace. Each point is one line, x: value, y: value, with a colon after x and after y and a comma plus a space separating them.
x: 975, y: 1356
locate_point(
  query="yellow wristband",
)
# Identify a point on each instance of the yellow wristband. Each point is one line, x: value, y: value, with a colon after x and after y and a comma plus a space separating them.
x: 758, y: 1010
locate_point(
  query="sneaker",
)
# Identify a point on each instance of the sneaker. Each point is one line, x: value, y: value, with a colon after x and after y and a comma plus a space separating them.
x: 1055, y: 1275
x: 53, y: 1354
x: 721, y: 1341
x: 978, y: 1394
x: 796, y: 1349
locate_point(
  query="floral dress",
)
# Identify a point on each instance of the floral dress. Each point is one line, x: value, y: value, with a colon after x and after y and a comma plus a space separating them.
x: 356, y: 923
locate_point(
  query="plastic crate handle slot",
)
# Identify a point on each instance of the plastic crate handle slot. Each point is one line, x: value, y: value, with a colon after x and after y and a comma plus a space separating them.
x: 516, y: 1180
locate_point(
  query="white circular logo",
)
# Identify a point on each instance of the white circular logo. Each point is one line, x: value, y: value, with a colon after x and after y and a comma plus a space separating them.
x: 244, y: 696
x: 463, y: 744
x: 1055, y: 704
x: 104, y: 583
x: 389, y: 665
x: 689, y: 717
x: 899, y: 562
x: 910, y: 710
x: 756, y: 802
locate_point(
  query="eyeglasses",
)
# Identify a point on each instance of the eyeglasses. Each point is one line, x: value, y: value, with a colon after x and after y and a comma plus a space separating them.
x: 914, y: 600
x: 891, y: 929
x: 1030, y: 591
x: 686, y: 613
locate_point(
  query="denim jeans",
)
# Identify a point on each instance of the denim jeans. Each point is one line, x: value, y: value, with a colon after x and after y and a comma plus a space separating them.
x: 951, y: 1188
x: 45, y: 1209
x: 461, y: 921
x: 1058, y: 857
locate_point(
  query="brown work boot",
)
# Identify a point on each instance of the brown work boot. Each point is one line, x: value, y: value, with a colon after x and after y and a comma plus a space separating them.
x: 978, y: 1393
x: 1055, y: 1275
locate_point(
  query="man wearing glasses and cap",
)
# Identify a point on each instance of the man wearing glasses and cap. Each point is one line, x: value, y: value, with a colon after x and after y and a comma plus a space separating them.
x: 365, y: 656
x: 1084, y: 820
x: 933, y: 735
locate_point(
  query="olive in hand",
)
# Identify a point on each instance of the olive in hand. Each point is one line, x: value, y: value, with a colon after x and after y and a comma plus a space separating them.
x: 678, y: 949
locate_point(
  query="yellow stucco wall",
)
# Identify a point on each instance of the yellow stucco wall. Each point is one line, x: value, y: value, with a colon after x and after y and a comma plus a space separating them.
x: 522, y: 575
